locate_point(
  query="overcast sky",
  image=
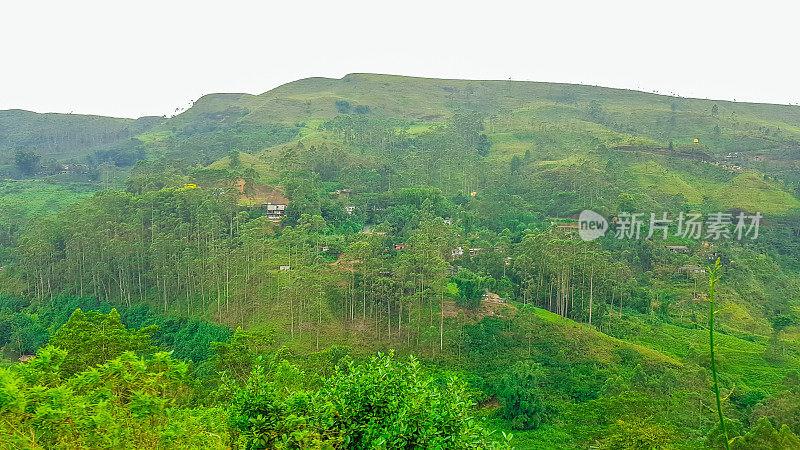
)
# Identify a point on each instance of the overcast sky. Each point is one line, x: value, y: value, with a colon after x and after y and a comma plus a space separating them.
x: 134, y: 58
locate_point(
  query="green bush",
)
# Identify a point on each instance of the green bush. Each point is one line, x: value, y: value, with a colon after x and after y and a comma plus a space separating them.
x: 522, y: 392
x: 127, y: 402
x: 92, y: 338
x: 382, y: 403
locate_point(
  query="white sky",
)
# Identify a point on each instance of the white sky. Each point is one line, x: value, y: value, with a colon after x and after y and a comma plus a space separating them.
x: 133, y: 58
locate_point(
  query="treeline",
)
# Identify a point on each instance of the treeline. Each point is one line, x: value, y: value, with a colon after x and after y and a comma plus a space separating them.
x: 27, y: 325
x: 181, y: 247
x: 572, y: 278
x: 206, y: 142
x: 65, y: 134
x: 196, y: 253
x: 449, y: 156
x: 189, y: 253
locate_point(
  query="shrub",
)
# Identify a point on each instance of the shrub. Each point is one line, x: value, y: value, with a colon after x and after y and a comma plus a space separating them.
x: 524, y: 400
x: 382, y: 403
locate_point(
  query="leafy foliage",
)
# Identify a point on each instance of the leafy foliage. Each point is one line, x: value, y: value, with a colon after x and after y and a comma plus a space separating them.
x: 523, y: 393
x: 381, y: 403
x: 127, y: 402
x: 93, y: 338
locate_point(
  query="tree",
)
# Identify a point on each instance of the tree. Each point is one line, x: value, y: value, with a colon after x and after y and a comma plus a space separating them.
x: 764, y: 435
x: 235, y: 162
x: 394, y: 404
x: 27, y: 162
x: 483, y: 145
x: 595, y: 111
x: 471, y: 288
x: 516, y: 164
x: 125, y: 402
x: 714, y: 110
x: 23, y: 333
x: 524, y: 400
x: 781, y: 408
x: 468, y: 127
x: 93, y: 338
x: 235, y: 357
x: 342, y: 106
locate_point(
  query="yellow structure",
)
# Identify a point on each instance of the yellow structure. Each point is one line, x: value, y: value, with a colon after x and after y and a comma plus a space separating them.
x: 696, y: 141
x: 189, y: 186
x: 473, y: 194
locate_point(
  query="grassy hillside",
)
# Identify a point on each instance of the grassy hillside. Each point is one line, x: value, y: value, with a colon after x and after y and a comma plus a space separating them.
x: 64, y: 136
x: 633, y: 141
x: 519, y: 106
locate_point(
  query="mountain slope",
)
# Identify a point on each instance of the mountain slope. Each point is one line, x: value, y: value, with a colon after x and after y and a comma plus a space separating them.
x: 594, y: 142
x: 63, y: 136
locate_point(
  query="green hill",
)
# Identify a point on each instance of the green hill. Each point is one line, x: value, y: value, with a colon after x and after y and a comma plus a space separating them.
x: 426, y: 217
x: 559, y: 130
x: 63, y: 136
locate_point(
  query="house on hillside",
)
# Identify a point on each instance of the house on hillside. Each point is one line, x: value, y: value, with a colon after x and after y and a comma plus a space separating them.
x: 369, y: 229
x: 75, y: 168
x: 567, y: 229
x: 275, y: 211
x: 342, y: 193
x: 262, y: 197
x: 691, y: 269
x: 678, y: 248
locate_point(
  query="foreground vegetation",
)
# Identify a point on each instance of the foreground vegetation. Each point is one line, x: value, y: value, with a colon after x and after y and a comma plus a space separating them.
x: 98, y: 384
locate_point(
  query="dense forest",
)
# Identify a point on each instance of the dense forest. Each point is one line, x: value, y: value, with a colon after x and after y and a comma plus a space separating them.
x: 425, y: 286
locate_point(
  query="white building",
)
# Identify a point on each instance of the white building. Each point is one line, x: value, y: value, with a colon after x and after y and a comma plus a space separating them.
x: 275, y: 211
